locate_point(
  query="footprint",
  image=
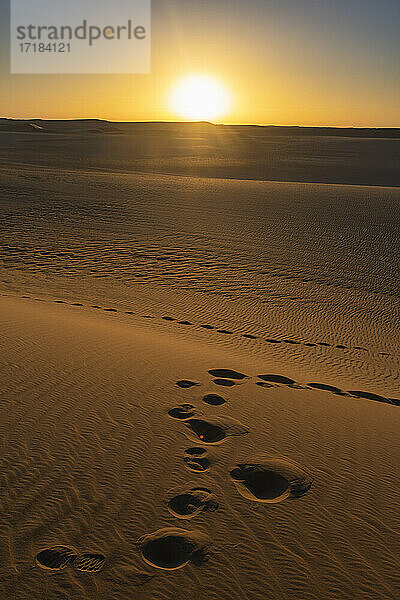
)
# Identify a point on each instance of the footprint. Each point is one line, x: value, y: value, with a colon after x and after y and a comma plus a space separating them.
x: 327, y: 388
x: 168, y: 319
x: 129, y: 312
x: 368, y: 396
x: 225, y: 331
x: 291, y: 342
x: 341, y: 346
x: 224, y: 382
x: 214, y: 399
x: 207, y: 326
x: 172, y: 548
x: 310, y: 344
x: 89, y: 562
x: 196, y: 459
x: 249, y: 335
x: 271, y: 341
x: 56, y: 301
x: 227, y: 373
x: 270, y: 480
x: 214, y: 431
x: 184, y: 323
x: 55, y: 558
x: 186, y: 502
x: 76, y: 304
x: 277, y: 379
x: 110, y: 309
x: 186, y: 383
x: 95, y: 306
x: 395, y: 401
x: 183, y: 411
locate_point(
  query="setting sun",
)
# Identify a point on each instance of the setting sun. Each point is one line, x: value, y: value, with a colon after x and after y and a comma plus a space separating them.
x: 199, y: 97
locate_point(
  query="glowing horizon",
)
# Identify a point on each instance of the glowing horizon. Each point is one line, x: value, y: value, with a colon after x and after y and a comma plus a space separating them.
x: 293, y: 63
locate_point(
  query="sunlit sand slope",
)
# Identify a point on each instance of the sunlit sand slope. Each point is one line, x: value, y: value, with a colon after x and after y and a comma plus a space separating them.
x: 278, y: 489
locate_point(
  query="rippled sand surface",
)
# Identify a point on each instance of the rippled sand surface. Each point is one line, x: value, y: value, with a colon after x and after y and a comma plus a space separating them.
x: 199, y: 384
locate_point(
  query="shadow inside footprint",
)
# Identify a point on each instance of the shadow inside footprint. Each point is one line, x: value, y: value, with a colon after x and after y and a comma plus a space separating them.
x: 186, y: 383
x: 55, y: 558
x: 172, y: 548
x: 224, y: 382
x: 214, y: 431
x: 187, y: 502
x: 277, y: 379
x: 214, y: 399
x: 368, y: 396
x: 270, y: 480
x: 89, y: 562
x: 327, y: 388
x: 183, y: 411
x: 227, y: 374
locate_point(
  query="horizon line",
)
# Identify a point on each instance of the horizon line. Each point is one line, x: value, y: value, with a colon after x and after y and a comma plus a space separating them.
x: 198, y: 122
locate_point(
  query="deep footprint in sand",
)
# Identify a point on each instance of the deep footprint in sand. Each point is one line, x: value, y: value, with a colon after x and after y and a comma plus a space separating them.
x: 214, y: 399
x: 89, y: 562
x: 56, y: 558
x: 270, y: 480
x: 172, y: 548
x: 196, y: 459
x: 214, y: 431
x: 186, y: 383
x: 224, y: 382
x: 368, y: 396
x: 188, y: 501
x: 327, y: 388
x: 227, y: 374
x: 277, y: 379
x: 183, y: 411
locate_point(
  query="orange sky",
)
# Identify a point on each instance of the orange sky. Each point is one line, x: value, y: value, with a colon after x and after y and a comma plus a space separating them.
x: 286, y: 62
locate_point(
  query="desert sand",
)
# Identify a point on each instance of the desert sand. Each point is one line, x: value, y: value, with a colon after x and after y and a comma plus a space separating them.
x: 199, y: 371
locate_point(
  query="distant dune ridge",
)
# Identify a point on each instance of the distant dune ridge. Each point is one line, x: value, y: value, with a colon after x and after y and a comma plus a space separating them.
x: 364, y: 156
x: 199, y: 362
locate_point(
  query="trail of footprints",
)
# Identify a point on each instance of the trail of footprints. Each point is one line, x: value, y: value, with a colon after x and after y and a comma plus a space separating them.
x: 215, y: 328
x: 261, y: 478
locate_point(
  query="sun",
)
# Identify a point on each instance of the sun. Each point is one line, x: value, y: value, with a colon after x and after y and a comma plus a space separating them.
x: 199, y: 98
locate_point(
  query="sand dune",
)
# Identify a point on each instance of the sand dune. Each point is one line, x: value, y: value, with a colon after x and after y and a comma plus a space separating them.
x: 304, y: 154
x: 91, y: 460
x: 199, y: 367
